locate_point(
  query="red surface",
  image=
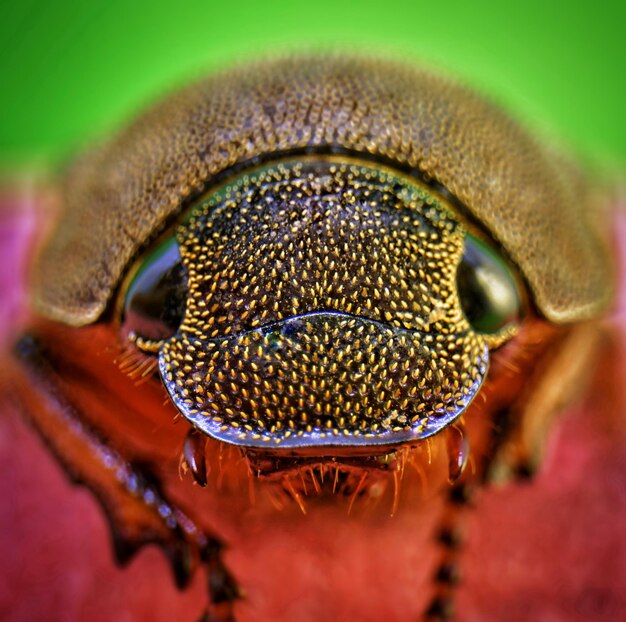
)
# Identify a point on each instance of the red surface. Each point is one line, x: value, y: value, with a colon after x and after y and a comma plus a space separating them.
x: 552, y: 550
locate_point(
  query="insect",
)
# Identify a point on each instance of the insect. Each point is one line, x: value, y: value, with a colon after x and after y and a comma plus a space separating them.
x: 306, y: 303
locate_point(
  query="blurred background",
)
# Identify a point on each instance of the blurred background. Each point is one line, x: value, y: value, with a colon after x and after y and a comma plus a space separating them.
x: 73, y: 71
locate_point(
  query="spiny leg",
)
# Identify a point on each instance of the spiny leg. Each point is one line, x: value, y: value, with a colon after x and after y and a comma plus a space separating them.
x: 130, y: 494
x: 450, y: 540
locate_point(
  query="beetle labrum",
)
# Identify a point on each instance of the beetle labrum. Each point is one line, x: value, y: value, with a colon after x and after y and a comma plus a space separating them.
x: 353, y: 280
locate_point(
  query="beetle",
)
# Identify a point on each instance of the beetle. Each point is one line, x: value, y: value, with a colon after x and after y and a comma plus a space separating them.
x: 326, y: 290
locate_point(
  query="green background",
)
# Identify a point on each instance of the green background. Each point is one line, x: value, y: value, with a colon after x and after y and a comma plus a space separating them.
x: 73, y: 71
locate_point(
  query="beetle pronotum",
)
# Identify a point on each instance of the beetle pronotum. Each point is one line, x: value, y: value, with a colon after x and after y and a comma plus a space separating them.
x: 365, y: 291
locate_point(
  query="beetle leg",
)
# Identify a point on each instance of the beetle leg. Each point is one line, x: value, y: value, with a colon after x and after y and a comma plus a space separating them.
x: 449, y: 537
x: 558, y: 380
x: 131, y: 496
x: 447, y: 574
x: 515, y: 444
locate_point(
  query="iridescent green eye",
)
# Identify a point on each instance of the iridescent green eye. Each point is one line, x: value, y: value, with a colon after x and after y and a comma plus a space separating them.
x: 488, y: 289
x: 154, y: 302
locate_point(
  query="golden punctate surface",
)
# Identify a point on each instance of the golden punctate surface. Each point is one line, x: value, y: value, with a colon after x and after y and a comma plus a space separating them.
x: 538, y: 208
x: 322, y: 309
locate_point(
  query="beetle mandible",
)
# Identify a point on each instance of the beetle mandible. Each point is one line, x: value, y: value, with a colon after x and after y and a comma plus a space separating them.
x: 365, y: 291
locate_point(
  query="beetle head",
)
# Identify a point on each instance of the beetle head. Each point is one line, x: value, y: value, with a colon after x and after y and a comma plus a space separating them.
x: 319, y: 307
x: 325, y: 298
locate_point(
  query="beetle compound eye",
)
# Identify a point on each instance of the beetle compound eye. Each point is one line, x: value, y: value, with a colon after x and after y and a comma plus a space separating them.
x: 488, y: 289
x: 155, y: 297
